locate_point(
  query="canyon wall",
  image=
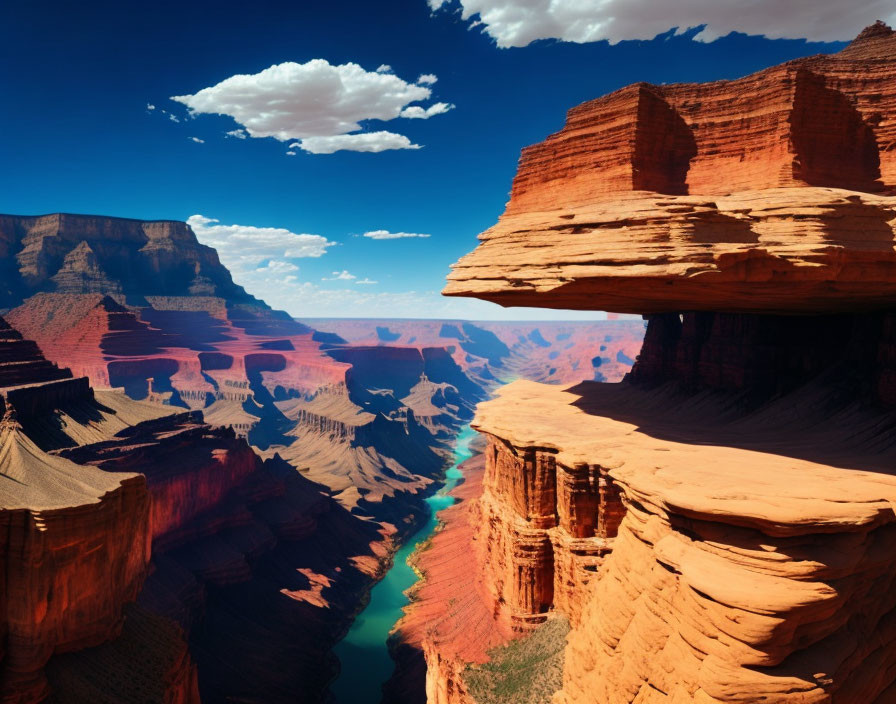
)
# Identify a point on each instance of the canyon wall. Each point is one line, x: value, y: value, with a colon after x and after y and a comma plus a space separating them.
x: 109, y: 501
x: 800, y: 222
x: 78, y: 254
x: 718, y: 526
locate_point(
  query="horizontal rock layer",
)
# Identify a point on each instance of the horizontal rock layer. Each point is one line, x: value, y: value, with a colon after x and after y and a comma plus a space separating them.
x: 785, y: 250
x: 74, y: 548
x: 772, y: 193
x: 752, y: 555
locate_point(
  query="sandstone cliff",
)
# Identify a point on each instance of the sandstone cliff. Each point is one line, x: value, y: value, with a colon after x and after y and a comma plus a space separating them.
x: 718, y: 526
x: 764, y: 194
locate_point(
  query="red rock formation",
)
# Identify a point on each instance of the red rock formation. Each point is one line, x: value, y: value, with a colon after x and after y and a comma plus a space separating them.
x: 196, y: 352
x: 75, y: 540
x: 795, y: 224
x: 75, y: 547
x: 740, y: 479
x: 94, y: 481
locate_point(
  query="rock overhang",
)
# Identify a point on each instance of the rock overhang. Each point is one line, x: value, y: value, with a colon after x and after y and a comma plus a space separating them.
x: 773, y: 193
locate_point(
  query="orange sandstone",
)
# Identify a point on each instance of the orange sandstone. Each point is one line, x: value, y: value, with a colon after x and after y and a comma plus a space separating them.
x: 719, y: 527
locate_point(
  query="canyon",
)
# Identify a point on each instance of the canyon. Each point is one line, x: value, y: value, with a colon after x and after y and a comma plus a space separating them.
x: 133, y: 534
x: 718, y: 526
x: 198, y: 492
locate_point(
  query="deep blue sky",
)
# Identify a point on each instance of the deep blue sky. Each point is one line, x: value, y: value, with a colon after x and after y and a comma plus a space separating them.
x: 75, y: 134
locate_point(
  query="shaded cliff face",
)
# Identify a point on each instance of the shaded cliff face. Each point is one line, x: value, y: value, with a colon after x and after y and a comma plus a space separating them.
x: 75, y: 540
x: 718, y: 526
x: 78, y: 254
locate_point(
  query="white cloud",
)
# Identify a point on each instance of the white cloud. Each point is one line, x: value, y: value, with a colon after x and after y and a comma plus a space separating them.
x: 197, y: 140
x: 415, y: 111
x: 340, y: 276
x: 518, y: 23
x: 257, y: 258
x: 384, y: 68
x: 150, y: 106
x: 236, y: 134
x: 244, y: 248
x: 290, y: 153
x: 278, y: 267
x: 386, y: 235
x: 426, y: 79
x: 364, y: 142
x: 171, y: 117
x: 318, y: 105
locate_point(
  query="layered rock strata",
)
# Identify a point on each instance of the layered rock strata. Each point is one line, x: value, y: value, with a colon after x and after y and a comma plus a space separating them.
x: 554, y: 352
x: 624, y: 209
x: 105, y: 501
x: 372, y: 424
x: 74, y: 540
x: 745, y: 488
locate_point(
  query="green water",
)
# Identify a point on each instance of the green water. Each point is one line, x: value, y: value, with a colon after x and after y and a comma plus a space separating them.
x: 363, y: 653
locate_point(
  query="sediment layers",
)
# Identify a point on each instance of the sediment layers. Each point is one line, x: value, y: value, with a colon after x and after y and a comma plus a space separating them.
x: 771, y: 193
x: 554, y: 352
x: 372, y: 424
x: 75, y: 540
x: 75, y: 547
x: 745, y: 464
x: 107, y: 501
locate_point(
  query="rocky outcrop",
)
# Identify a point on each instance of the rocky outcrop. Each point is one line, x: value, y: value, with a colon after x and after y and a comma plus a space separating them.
x: 801, y: 220
x: 727, y: 578
x: 545, y: 527
x: 812, y: 250
x: 74, y: 540
x: 739, y: 480
x: 75, y: 547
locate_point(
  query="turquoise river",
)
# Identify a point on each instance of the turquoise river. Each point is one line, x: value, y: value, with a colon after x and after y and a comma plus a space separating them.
x: 363, y: 653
